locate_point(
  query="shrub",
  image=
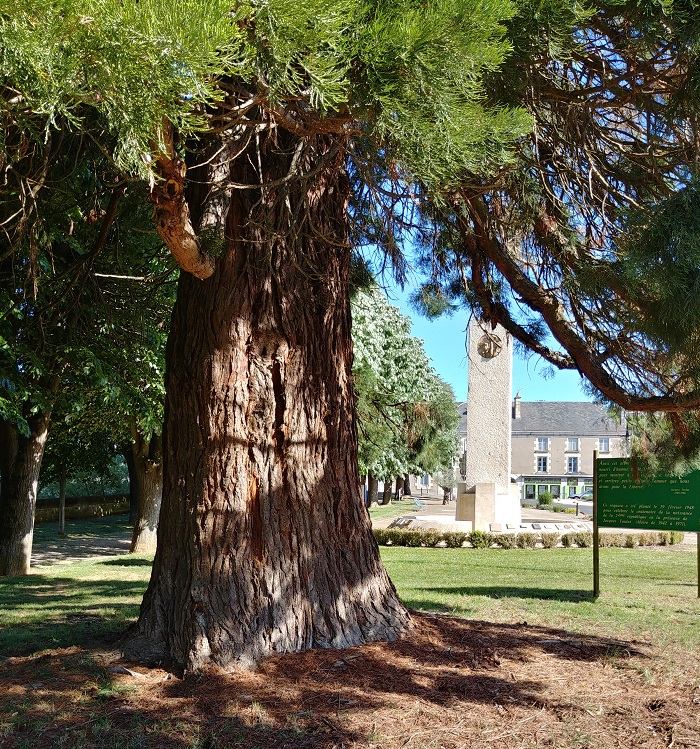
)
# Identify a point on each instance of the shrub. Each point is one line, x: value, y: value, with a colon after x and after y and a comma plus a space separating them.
x: 484, y: 540
x: 481, y: 539
x: 507, y: 541
x: 668, y: 538
x: 549, y: 540
x: 648, y: 538
x: 611, y: 539
x: 526, y: 540
x: 582, y: 539
x: 454, y: 539
x: 413, y: 539
x: 431, y: 537
x: 396, y: 536
x: 545, y: 498
x: 380, y: 536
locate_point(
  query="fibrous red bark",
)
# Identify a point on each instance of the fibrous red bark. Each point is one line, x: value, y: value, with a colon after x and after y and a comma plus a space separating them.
x: 264, y: 544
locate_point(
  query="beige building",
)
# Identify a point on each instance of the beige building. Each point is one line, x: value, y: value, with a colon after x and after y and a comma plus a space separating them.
x: 552, y: 444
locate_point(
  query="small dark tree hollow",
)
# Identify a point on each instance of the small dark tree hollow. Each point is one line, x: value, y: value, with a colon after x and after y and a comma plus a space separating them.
x: 264, y: 545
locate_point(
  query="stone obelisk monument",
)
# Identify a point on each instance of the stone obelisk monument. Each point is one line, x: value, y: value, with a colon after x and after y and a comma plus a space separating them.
x: 487, y: 498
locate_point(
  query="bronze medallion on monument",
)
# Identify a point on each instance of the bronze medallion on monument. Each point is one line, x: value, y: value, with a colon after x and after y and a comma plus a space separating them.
x: 489, y: 345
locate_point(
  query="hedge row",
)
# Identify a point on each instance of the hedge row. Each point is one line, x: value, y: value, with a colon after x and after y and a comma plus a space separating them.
x: 527, y: 540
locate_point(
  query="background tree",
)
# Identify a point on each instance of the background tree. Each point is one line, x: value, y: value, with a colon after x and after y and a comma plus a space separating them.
x: 73, y: 316
x: 78, y: 452
x: 407, y: 416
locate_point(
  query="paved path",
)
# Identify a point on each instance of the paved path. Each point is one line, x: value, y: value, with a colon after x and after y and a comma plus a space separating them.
x: 71, y: 549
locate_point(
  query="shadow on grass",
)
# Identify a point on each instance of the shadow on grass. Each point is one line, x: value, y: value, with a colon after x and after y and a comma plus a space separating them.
x: 509, y: 591
x: 41, y: 611
x: 124, y: 561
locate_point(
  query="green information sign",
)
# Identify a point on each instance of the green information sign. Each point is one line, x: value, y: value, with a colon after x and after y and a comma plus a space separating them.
x: 627, y: 499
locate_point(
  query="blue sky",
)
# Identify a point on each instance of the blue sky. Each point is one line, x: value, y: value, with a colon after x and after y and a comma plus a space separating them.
x: 445, y: 342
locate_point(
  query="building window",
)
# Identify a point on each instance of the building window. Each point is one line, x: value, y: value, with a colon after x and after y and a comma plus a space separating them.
x: 572, y: 465
x: 555, y: 490
x: 572, y: 444
x: 541, y: 464
x: 543, y: 444
x: 529, y: 491
x: 604, y: 445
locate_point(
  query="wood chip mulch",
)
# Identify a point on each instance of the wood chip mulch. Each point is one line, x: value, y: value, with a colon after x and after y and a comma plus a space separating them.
x: 450, y: 683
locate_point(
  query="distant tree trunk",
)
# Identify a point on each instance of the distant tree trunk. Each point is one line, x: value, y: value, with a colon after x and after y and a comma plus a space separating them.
x: 361, y: 485
x: 264, y: 545
x: 148, y: 470
x: 128, y: 454
x: 399, y: 488
x: 446, y: 495
x: 62, y: 503
x: 20, y: 463
x: 407, y: 486
x: 386, y: 493
x: 372, y: 490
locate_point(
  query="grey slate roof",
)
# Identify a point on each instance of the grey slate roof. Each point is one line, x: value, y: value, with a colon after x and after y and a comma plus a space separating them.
x: 556, y: 418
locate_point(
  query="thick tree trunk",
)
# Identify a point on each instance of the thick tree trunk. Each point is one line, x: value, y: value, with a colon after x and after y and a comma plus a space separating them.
x: 407, y: 486
x: 20, y: 463
x: 148, y: 472
x: 386, y: 492
x: 372, y: 490
x: 264, y: 545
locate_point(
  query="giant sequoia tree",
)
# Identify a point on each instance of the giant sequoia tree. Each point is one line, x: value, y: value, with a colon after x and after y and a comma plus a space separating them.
x: 263, y: 542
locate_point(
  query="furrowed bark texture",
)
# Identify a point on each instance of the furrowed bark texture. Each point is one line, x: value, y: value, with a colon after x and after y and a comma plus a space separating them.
x: 20, y: 463
x: 264, y: 545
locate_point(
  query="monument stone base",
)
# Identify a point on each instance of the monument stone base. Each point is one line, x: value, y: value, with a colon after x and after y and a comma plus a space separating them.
x: 483, y: 505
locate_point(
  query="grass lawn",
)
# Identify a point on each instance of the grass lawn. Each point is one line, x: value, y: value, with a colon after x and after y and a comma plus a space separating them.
x: 70, y: 603
x: 106, y: 527
x: 644, y: 592
x: 396, y: 509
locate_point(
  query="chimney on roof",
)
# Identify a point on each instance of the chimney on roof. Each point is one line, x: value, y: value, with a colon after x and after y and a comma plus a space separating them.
x: 516, y: 406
